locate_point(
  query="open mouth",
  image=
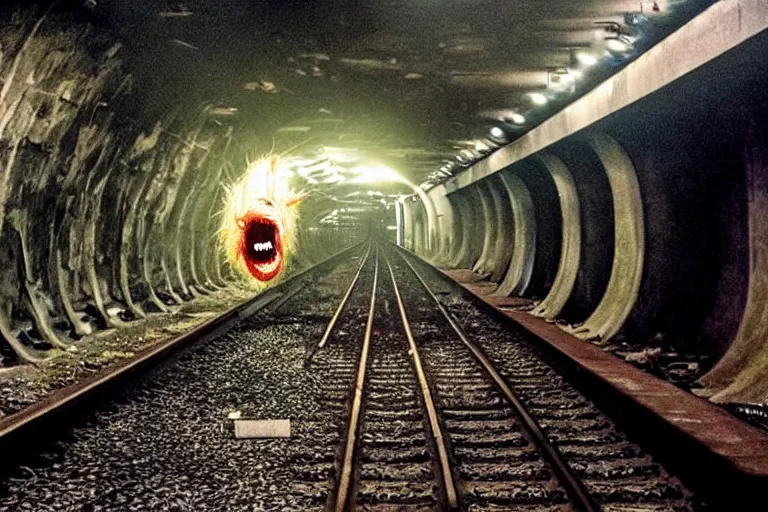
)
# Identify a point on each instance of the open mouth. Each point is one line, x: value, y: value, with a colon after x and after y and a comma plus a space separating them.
x: 262, y: 248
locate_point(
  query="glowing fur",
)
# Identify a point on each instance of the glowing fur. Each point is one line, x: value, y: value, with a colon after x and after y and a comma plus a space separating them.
x: 258, y: 232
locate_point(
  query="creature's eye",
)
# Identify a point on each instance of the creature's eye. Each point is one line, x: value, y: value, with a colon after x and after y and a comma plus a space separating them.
x: 241, y: 223
x: 266, y: 202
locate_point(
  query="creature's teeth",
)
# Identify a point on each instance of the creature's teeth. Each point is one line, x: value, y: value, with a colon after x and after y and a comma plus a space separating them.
x: 266, y: 246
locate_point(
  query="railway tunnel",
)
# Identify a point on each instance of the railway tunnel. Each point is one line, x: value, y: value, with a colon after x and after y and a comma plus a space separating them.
x: 576, y: 188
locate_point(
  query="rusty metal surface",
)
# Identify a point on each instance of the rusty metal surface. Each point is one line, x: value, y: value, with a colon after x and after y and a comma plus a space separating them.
x: 738, y: 443
x: 48, y: 410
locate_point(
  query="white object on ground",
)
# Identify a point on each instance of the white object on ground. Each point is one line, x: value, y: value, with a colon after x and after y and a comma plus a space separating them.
x: 251, y: 429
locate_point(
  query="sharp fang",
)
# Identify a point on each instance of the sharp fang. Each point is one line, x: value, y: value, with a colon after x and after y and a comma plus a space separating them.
x: 266, y: 246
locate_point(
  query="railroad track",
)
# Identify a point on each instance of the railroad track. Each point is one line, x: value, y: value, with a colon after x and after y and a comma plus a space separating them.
x: 20, y: 434
x: 408, y: 399
x: 427, y: 421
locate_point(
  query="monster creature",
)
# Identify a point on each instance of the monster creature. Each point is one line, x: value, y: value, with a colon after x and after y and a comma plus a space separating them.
x: 258, y: 232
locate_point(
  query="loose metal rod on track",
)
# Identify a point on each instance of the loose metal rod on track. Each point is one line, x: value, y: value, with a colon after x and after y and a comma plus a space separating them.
x: 449, y: 486
x: 347, y: 468
x: 572, y: 484
x: 344, y: 300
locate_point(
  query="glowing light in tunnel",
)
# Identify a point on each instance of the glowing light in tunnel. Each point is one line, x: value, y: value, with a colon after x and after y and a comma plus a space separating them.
x: 538, y: 99
x: 517, y: 118
x: 497, y: 132
x: 586, y: 58
x: 618, y: 45
x: 376, y: 174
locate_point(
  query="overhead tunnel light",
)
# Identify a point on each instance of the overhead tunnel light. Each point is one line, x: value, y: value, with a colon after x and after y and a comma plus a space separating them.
x: 498, y: 133
x: 538, y: 99
x: 586, y: 58
x: 517, y: 118
x: 619, y: 45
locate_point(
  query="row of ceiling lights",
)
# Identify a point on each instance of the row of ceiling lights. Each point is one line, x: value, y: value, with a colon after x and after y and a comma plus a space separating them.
x: 617, y: 44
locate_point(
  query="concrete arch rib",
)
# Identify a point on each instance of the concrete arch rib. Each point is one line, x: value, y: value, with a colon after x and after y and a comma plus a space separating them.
x: 520, y: 269
x: 740, y: 375
x: 489, y: 229
x: 503, y: 241
x: 445, y: 226
x: 463, y: 258
x: 570, y: 254
x: 629, y: 232
x: 452, y: 257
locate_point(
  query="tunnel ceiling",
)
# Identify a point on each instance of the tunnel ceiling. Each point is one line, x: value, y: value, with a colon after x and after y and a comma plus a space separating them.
x: 408, y: 83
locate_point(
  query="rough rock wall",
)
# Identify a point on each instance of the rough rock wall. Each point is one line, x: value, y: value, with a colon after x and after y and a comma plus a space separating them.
x: 106, y: 212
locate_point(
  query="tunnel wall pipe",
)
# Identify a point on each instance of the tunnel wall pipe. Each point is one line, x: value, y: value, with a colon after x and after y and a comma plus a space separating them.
x: 408, y: 225
x: 420, y: 229
x: 432, y: 226
x: 419, y: 234
x: 203, y: 230
x: 474, y: 215
x: 597, y: 221
x: 570, y: 254
x: 547, y: 215
x: 629, y: 247
x: 520, y: 269
x: 451, y: 253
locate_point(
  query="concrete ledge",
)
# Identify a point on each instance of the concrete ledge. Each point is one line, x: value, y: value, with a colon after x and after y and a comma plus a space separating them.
x: 722, y: 27
x: 716, y: 454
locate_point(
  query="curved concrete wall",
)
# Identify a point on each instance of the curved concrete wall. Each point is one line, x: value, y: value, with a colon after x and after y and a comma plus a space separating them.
x: 503, y: 239
x: 629, y: 243
x: 662, y: 218
x: 548, y: 222
x: 570, y: 250
x: 518, y: 274
x: 490, y: 228
x: 109, y: 193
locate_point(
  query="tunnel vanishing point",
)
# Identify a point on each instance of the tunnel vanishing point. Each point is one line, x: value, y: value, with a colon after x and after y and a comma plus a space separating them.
x: 606, y: 159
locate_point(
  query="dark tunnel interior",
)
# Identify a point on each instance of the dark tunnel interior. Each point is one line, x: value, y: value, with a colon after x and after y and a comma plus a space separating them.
x: 602, y: 161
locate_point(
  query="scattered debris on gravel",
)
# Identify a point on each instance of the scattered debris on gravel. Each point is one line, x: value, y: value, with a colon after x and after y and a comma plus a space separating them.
x: 22, y: 386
